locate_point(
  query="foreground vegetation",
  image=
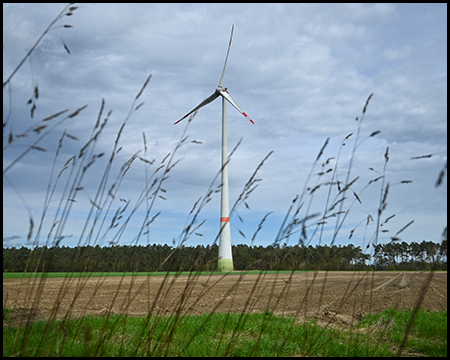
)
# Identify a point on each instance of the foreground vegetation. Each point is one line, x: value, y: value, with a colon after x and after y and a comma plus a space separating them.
x: 213, y: 334
x: 219, y: 334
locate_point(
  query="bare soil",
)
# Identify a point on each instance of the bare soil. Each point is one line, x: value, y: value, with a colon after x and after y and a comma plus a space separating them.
x: 340, y: 298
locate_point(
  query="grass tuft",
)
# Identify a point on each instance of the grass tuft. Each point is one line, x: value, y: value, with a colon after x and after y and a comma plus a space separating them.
x: 224, y: 334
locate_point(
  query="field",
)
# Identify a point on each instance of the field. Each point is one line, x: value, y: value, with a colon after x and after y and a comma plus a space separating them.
x: 339, y: 298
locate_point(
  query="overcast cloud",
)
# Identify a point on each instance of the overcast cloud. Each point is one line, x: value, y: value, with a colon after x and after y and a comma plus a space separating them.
x: 303, y: 73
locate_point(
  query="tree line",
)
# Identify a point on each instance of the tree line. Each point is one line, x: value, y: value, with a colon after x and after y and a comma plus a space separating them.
x: 157, y: 257
x: 413, y: 256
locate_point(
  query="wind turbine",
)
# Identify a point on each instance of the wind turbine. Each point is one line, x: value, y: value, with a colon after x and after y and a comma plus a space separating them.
x: 225, y: 259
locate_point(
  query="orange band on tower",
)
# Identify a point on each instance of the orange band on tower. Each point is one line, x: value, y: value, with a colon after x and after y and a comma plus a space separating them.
x: 224, y: 219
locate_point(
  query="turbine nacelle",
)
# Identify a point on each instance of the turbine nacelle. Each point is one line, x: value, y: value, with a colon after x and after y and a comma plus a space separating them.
x: 220, y: 88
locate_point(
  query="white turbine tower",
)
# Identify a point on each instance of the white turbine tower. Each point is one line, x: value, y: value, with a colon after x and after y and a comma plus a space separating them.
x: 225, y: 259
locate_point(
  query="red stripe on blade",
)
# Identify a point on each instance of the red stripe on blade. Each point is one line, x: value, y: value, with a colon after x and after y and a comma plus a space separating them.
x: 224, y: 219
x: 184, y: 117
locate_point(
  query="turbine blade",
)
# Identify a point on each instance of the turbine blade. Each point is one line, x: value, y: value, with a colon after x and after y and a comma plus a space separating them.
x: 203, y: 103
x: 227, y: 96
x: 226, y: 59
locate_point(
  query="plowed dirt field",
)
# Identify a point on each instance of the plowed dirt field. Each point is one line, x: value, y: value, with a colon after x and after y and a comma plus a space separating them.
x: 336, y: 297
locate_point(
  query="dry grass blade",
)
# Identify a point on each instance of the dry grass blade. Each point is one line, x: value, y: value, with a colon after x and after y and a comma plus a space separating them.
x: 39, y: 128
x: 76, y: 112
x: 167, y: 302
x: 384, y: 200
x: 145, y: 160
x: 102, y: 106
x: 389, y: 218
x: 357, y: 197
x: 66, y: 48
x: 55, y: 115
x: 33, y: 48
x: 422, y: 156
x: 441, y: 175
x: 139, y: 106
x: 37, y: 148
x: 404, y: 228
x: 322, y: 149
x: 422, y: 293
x: 143, y: 87
x: 367, y: 103
x: 71, y: 136
x: 193, y: 208
x: 346, y: 187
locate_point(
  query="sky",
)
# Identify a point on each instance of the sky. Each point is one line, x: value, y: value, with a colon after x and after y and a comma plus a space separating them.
x: 302, y: 72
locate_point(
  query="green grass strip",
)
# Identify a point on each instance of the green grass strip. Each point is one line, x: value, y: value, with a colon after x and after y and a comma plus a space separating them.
x: 21, y: 275
x: 223, y: 334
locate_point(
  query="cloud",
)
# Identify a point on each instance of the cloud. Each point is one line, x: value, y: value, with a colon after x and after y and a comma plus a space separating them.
x: 9, y: 242
x: 302, y: 72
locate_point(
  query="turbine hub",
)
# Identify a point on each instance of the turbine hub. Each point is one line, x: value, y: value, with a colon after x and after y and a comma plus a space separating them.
x: 219, y: 89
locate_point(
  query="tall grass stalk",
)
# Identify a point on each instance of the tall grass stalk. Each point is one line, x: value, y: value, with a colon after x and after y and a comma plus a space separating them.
x: 64, y: 333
